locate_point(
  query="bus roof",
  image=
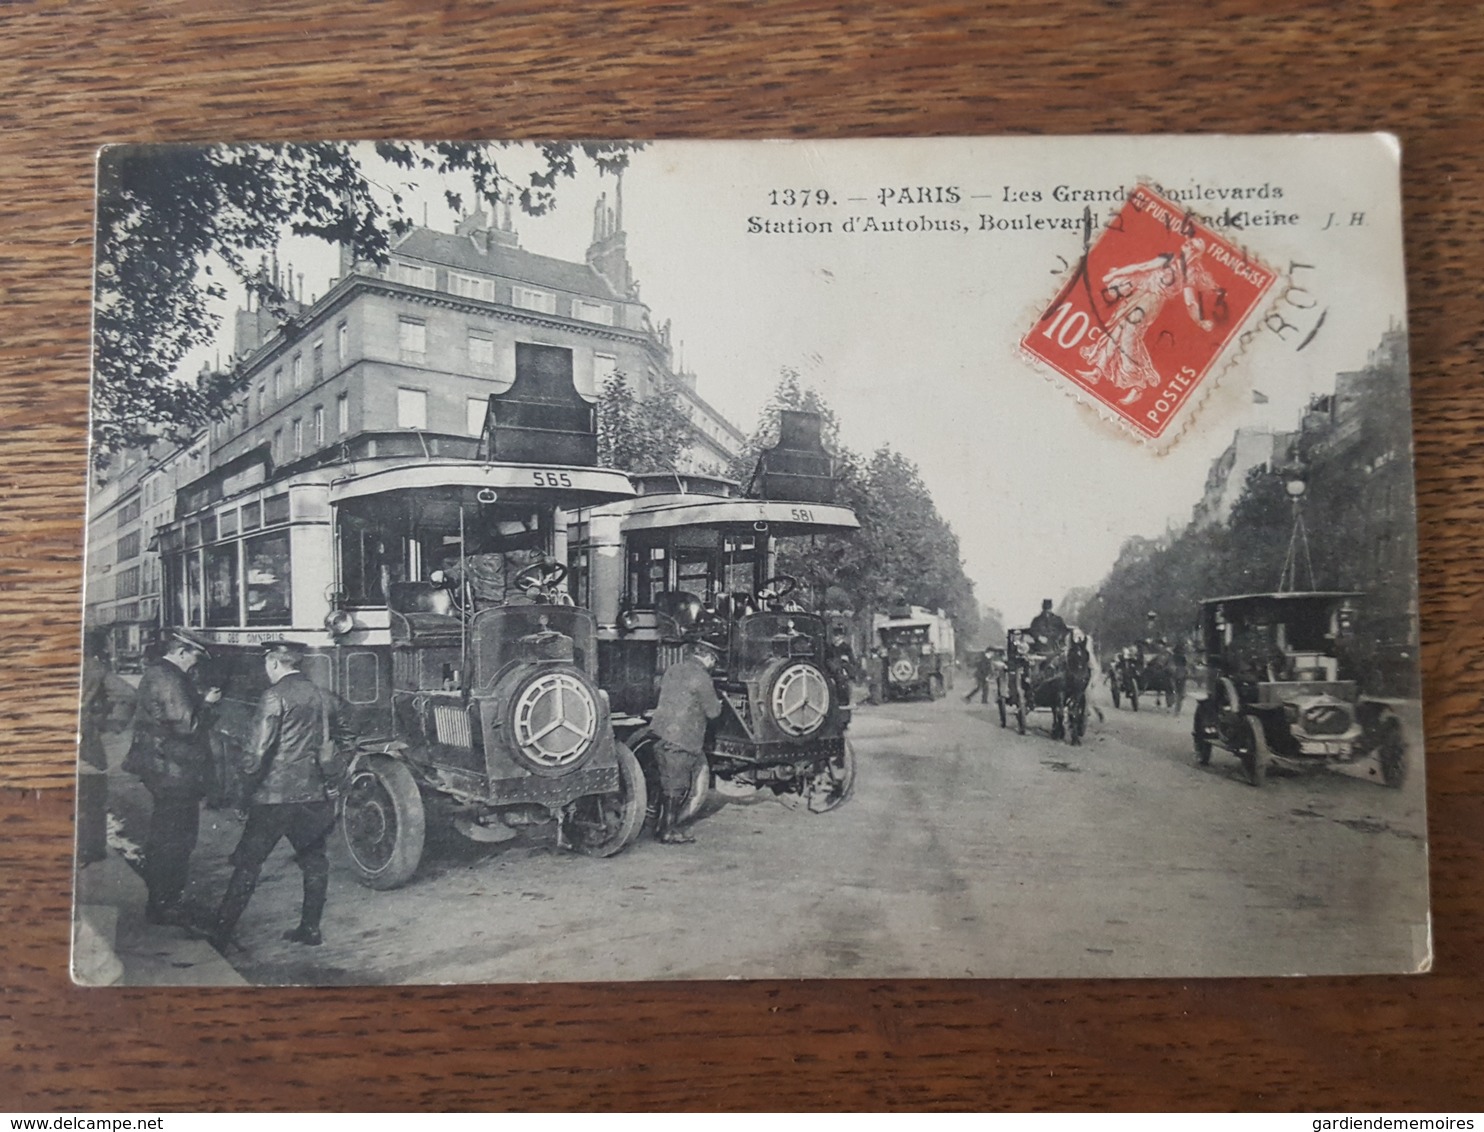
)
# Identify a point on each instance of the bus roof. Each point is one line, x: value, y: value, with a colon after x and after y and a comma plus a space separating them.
x: 565, y: 486
x: 661, y: 512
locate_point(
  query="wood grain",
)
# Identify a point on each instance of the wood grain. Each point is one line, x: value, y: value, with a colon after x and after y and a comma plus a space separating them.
x: 80, y: 74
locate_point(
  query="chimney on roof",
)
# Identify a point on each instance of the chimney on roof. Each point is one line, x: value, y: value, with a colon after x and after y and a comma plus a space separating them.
x: 482, y: 229
x: 608, y: 253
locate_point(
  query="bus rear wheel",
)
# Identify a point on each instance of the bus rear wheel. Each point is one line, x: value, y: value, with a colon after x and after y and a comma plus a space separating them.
x: 601, y: 825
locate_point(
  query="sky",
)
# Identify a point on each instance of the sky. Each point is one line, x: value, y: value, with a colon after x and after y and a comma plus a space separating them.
x: 912, y: 337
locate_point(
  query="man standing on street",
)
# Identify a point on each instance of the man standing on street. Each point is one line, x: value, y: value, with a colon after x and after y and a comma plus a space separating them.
x: 687, y: 703
x: 293, y: 771
x: 170, y: 753
x: 983, y: 666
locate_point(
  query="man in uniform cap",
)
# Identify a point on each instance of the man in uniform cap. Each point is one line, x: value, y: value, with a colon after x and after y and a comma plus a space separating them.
x: 688, y: 702
x: 170, y: 753
x: 293, y: 770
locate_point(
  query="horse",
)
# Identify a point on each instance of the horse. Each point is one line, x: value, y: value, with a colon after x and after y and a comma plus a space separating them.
x: 1069, y: 705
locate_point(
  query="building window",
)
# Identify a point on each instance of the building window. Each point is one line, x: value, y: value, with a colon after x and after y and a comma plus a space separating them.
x: 528, y: 298
x: 412, y: 339
x: 278, y: 452
x: 412, y: 408
x: 128, y: 583
x: 342, y: 343
x: 475, y: 409
x: 278, y: 384
x: 128, y: 546
x: 342, y: 413
x: 481, y: 350
x: 298, y: 436
x: 471, y: 286
x: 319, y: 360
x: 262, y: 399
x: 298, y: 364
x: 414, y: 275
x: 593, y: 312
x: 319, y: 426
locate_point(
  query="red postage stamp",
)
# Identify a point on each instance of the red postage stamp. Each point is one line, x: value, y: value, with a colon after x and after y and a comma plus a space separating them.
x: 1153, y: 304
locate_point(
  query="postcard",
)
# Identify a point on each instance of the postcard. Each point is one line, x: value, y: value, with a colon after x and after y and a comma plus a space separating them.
x: 955, y: 557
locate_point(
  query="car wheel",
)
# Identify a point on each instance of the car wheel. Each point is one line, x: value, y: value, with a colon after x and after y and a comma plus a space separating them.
x: 1255, y: 757
x: 1392, y: 753
x: 384, y: 823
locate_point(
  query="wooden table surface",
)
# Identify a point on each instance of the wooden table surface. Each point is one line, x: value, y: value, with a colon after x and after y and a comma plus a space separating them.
x: 76, y: 75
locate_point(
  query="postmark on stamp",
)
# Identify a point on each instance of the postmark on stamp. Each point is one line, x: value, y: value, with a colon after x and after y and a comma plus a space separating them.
x: 1152, y: 306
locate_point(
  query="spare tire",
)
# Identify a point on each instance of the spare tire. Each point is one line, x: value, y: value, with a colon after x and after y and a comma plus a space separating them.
x: 798, y: 698
x: 552, y: 715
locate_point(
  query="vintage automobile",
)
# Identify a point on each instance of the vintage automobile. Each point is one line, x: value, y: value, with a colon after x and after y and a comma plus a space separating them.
x: 1151, y: 670
x: 1276, y: 696
x: 695, y: 556
x: 1037, y: 676
x: 423, y: 571
x: 915, y: 652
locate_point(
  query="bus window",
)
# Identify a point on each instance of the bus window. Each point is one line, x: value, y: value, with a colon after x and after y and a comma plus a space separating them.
x: 364, y: 565
x: 193, y: 588
x: 268, y: 580
x: 646, y: 575
x: 221, y: 585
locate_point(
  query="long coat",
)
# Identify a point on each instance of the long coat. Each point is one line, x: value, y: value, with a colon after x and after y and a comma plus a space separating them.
x: 297, y: 736
x: 170, y: 749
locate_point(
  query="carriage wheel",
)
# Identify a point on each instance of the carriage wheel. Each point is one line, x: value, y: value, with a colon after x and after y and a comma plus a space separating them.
x: 1116, y: 696
x: 1133, y: 697
x: 1000, y: 701
x: 1020, y: 705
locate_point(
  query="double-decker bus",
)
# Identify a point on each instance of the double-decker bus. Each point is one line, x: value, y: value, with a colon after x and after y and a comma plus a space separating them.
x: 424, y: 573
x: 695, y: 557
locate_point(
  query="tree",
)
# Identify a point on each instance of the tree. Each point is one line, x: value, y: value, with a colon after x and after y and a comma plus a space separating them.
x: 169, y: 217
x: 651, y: 435
x: 904, y: 549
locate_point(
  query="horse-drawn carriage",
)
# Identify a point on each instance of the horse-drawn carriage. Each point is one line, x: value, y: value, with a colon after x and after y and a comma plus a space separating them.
x: 1040, y: 674
x: 1148, y: 669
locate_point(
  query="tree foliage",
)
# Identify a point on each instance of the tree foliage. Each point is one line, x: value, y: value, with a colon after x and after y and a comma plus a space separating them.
x: 166, y: 214
x: 652, y: 435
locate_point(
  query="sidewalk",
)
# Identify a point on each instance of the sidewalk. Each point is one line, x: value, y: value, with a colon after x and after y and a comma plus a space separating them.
x: 113, y: 946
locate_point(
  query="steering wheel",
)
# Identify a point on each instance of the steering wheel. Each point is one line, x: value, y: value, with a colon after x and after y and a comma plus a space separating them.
x: 779, y: 585
x: 540, y: 575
